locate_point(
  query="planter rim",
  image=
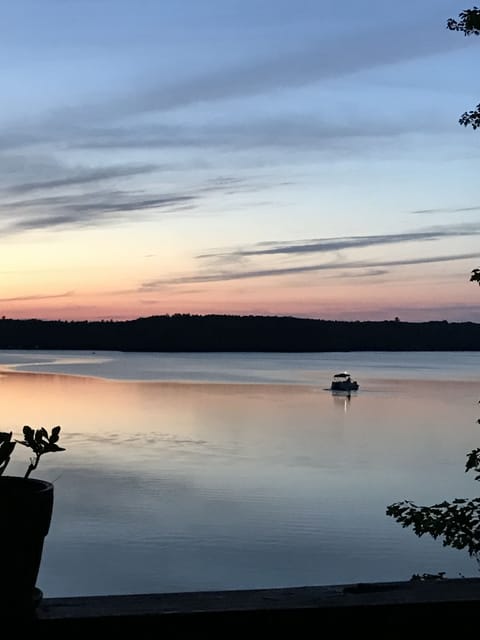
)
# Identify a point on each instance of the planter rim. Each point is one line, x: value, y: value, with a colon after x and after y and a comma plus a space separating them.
x: 41, y: 485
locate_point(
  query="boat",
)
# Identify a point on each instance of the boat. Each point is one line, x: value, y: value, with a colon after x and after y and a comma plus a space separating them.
x: 343, y: 382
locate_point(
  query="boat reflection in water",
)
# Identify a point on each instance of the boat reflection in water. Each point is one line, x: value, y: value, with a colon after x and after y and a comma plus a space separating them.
x: 342, y: 399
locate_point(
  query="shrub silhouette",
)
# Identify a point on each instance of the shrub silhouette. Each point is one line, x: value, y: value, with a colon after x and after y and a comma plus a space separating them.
x: 38, y: 440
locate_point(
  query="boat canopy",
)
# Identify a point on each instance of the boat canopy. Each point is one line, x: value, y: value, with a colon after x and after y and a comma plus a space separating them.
x: 342, y: 375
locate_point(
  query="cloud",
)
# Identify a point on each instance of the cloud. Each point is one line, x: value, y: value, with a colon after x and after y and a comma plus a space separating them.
x: 41, y: 296
x: 84, y: 176
x: 324, y: 56
x: 87, y: 209
x: 223, y: 276
x: 229, y: 185
x: 309, y: 134
x: 105, y: 206
x: 448, y: 210
x: 323, y: 59
x: 328, y: 245
x: 368, y: 273
x: 233, y: 265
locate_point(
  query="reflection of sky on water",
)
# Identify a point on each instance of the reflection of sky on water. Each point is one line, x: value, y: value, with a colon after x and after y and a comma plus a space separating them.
x: 168, y: 486
x: 294, y: 368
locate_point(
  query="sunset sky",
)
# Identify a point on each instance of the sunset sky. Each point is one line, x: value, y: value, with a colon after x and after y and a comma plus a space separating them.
x: 238, y: 156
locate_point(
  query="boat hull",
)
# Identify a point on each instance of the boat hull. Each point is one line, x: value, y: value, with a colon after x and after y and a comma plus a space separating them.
x: 344, y: 386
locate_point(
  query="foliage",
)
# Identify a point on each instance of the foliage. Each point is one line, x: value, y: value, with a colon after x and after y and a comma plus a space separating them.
x: 6, y: 450
x: 456, y: 523
x: 475, y: 277
x: 471, y: 118
x: 37, y: 440
x: 428, y: 577
x: 215, y: 333
x: 469, y: 23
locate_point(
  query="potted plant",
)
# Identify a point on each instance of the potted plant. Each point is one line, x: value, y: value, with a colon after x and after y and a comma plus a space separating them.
x: 26, y: 509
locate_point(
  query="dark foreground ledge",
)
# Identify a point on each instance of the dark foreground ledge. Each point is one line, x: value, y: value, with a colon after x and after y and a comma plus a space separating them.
x: 390, y: 605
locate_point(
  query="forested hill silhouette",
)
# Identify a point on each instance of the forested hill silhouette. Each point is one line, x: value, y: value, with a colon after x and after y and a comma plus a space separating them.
x: 184, y: 332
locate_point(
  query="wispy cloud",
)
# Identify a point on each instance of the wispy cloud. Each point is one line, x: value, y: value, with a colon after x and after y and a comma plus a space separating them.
x: 86, y: 209
x: 368, y: 273
x: 223, y: 276
x: 328, y: 245
x: 308, y: 134
x: 448, y: 210
x: 99, y: 207
x: 83, y: 176
x: 320, y: 60
x: 40, y: 296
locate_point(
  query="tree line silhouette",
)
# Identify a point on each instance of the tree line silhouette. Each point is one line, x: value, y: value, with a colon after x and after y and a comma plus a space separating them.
x: 185, y: 332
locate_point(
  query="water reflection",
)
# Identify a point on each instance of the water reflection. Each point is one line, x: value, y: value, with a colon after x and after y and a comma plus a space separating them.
x: 177, y: 486
x: 342, y: 399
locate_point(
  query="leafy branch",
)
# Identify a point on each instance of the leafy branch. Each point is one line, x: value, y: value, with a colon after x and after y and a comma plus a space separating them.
x: 456, y: 523
x: 475, y: 277
x: 38, y: 440
x: 6, y: 450
x: 469, y: 23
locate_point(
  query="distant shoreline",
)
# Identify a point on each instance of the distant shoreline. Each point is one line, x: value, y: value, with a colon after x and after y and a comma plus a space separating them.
x: 224, y: 333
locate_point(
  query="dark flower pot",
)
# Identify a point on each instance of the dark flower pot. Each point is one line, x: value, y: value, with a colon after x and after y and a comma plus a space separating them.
x: 25, y: 513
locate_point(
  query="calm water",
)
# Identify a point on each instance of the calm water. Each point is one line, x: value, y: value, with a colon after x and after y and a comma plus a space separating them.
x: 217, y: 471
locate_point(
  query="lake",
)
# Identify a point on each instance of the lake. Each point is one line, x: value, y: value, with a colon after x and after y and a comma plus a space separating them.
x: 227, y: 471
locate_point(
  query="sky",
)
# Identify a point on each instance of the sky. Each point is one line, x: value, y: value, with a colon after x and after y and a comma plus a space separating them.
x: 271, y: 157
